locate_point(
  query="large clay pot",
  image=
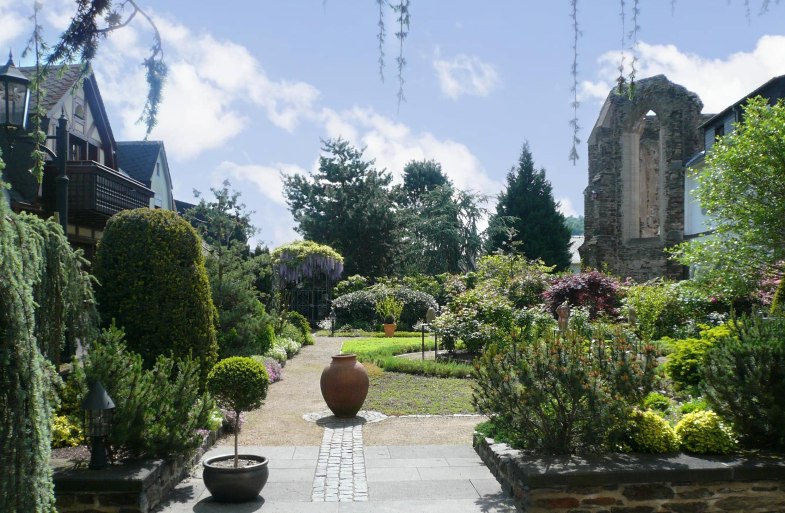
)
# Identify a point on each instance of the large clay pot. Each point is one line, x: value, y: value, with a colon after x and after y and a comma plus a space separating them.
x: 344, y: 385
x: 389, y: 329
x: 229, y: 484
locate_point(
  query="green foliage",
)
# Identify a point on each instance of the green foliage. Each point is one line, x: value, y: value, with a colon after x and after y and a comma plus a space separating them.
x: 778, y: 300
x: 599, y: 292
x: 347, y: 205
x: 744, y: 376
x: 238, y: 383
x: 685, y: 363
x: 233, y: 272
x: 381, y: 352
x: 563, y: 394
x: 43, y: 291
x: 353, y: 283
x: 661, y: 307
x: 299, y: 321
x: 575, y: 224
x: 66, y: 433
x: 291, y: 346
x: 359, y: 308
x: 154, y: 284
x: 657, y: 402
x: 303, y: 259
x: 527, y: 219
x: 477, y: 318
x: 389, y: 309
x: 648, y: 432
x: 278, y: 353
x: 157, y: 411
x: 698, y: 404
x: 740, y: 189
x: 520, y: 280
x: 703, y: 432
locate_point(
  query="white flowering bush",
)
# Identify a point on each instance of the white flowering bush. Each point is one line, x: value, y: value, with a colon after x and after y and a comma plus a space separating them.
x: 277, y: 353
x: 359, y: 308
x: 290, y: 346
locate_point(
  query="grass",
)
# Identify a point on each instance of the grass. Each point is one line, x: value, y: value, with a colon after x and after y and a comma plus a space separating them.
x: 381, y: 352
x: 402, y: 394
x: 367, y: 334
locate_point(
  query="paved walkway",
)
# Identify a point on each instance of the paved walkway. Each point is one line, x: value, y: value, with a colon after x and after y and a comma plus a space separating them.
x: 321, y: 463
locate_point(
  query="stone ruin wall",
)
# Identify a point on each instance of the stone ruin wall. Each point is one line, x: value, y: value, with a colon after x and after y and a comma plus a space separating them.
x: 634, y: 201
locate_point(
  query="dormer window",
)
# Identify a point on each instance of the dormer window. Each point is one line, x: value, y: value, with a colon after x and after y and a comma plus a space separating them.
x: 157, y: 169
x: 79, y: 111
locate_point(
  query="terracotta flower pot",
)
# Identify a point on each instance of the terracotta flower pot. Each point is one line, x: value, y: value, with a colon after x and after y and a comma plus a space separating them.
x: 389, y: 329
x: 344, y: 385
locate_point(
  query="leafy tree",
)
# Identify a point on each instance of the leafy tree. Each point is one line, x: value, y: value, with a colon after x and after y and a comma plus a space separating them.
x: 575, y: 224
x: 527, y: 219
x: 233, y: 271
x: 347, y: 205
x: 420, y: 178
x: 741, y: 190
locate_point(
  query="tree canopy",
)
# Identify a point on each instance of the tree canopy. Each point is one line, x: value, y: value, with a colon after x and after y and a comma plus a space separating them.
x: 741, y: 189
x: 347, y: 204
x: 527, y: 219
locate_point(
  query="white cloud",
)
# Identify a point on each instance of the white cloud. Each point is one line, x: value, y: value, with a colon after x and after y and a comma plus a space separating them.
x: 465, y: 75
x: 12, y: 24
x: 566, y: 207
x: 718, y: 82
x: 267, y: 179
x: 210, y: 94
x: 393, y: 145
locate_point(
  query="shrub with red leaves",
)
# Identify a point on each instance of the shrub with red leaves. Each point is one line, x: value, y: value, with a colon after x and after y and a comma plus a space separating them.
x: 595, y: 290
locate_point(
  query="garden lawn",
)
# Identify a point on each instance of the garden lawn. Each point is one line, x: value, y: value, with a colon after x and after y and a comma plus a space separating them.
x: 393, y: 393
x: 381, y: 352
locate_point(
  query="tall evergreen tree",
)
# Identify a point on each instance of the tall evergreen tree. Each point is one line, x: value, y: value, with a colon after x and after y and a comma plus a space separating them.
x: 347, y: 204
x: 527, y: 219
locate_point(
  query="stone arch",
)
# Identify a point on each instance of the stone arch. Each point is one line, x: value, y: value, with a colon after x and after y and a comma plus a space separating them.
x: 634, y: 205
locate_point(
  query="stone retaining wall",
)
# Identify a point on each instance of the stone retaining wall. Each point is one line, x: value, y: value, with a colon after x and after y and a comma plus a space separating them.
x: 637, y: 483
x: 129, y: 487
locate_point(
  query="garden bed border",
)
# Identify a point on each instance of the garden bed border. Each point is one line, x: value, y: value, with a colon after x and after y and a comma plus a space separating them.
x: 639, y: 483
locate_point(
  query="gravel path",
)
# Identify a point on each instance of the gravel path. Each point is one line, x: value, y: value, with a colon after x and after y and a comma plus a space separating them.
x: 280, y: 420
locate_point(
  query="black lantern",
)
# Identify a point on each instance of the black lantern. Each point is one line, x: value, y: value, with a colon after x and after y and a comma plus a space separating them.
x: 98, y: 411
x: 14, y: 96
x: 332, y: 322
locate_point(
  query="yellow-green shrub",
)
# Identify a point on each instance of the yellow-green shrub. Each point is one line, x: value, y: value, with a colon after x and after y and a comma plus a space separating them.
x: 648, y: 431
x: 66, y: 433
x: 703, y: 432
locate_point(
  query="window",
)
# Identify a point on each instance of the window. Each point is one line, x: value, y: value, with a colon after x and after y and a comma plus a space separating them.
x: 719, y: 131
x: 157, y: 169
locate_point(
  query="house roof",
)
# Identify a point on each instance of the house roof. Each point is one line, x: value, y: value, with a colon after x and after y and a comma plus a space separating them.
x: 138, y: 158
x: 780, y: 80
x: 57, y: 83
x: 182, y: 206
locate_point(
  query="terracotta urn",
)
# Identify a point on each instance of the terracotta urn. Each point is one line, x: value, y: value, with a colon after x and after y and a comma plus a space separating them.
x: 344, y: 385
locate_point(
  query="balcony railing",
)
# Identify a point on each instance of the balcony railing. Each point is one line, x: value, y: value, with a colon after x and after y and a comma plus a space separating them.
x: 96, y: 192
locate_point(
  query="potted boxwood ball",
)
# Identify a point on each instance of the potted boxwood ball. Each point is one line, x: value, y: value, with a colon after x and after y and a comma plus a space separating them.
x: 238, y: 384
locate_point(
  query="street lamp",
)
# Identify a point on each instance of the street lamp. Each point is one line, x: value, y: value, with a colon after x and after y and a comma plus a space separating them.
x: 14, y: 106
x: 332, y: 322
x: 14, y: 96
x: 98, y: 412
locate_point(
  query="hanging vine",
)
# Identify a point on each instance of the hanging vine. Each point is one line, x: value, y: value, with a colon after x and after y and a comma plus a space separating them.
x: 574, y: 69
x: 381, y: 36
x: 633, y: 37
x: 402, y: 9
x: 623, y: 16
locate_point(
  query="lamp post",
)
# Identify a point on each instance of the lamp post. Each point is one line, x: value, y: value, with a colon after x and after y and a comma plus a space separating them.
x: 14, y: 107
x: 14, y: 96
x: 332, y: 322
x: 98, y: 412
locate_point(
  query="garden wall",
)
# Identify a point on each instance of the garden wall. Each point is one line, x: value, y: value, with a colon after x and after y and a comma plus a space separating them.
x: 129, y: 487
x: 637, y: 483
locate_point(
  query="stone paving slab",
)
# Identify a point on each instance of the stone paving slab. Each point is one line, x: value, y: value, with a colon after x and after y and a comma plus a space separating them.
x: 422, y: 490
x: 474, y: 472
x: 378, y: 475
x: 405, y: 462
x: 431, y: 451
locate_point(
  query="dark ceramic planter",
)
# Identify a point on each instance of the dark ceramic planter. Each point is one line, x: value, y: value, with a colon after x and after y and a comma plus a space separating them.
x: 235, y: 484
x: 344, y: 385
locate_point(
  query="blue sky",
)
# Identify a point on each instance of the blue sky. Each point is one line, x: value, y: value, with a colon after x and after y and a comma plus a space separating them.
x: 254, y: 86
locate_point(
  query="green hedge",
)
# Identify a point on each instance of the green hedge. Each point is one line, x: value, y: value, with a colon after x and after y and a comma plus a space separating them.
x: 153, y: 283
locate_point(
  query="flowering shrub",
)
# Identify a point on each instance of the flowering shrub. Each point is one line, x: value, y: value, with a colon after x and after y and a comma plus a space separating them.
x: 353, y: 283
x: 703, y: 432
x: 518, y: 279
x: 359, y: 308
x: 595, y: 290
x: 563, y: 394
x: 278, y: 354
x: 290, y: 346
x: 477, y: 317
x: 274, y: 369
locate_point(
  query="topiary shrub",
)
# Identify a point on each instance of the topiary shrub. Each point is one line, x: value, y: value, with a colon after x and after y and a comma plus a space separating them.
x: 657, y: 402
x: 351, y: 284
x: 648, y: 432
x: 744, y: 378
x: 597, y: 291
x: 703, y: 432
x: 238, y: 384
x: 154, y: 284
